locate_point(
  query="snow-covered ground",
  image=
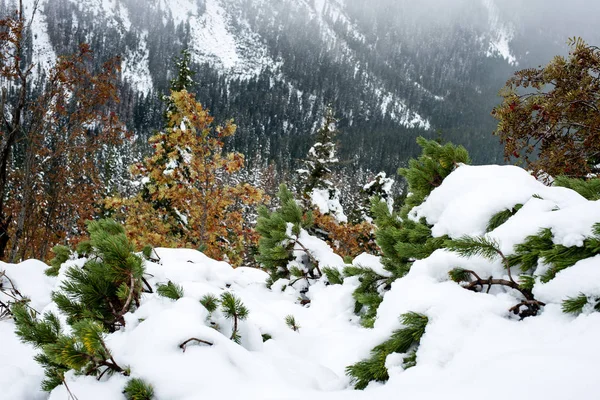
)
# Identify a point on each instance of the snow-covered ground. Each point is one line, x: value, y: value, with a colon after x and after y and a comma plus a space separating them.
x: 472, y: 346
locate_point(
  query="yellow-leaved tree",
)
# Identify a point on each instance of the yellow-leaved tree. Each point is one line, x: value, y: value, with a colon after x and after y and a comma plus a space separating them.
x: 189, y: 195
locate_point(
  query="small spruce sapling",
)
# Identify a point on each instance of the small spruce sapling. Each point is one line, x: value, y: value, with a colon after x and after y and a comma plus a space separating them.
x: 321, y: 160
x: 290, y: 321
x: 233, y: 309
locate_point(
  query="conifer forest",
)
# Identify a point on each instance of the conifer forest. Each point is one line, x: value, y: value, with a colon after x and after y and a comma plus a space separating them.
x: 335, y: 199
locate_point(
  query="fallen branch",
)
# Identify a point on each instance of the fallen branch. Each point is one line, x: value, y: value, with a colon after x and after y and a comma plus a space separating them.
x: 14, y: 294
x: 532, y: 305
x: 184, y: 344
x: 71, y: 395
x: 148, y: 288
x: 309, y: 254
x: 4, y: 311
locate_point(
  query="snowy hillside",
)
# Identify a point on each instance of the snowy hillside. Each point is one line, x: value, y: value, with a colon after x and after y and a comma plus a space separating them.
x: 472, y: 343
x: 221, y: 34
x: 392, y: 69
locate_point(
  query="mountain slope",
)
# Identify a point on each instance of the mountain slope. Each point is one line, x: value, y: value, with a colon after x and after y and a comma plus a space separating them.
x: 392, y: 70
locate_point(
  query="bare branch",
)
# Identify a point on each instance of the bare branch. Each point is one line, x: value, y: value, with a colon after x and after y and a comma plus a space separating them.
x: 184, y: 344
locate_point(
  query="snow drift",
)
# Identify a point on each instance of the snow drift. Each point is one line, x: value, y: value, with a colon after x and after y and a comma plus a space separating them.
x: 472, y: 344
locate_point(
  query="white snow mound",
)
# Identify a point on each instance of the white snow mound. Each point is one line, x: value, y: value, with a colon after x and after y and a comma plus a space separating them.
x: 472, y: 343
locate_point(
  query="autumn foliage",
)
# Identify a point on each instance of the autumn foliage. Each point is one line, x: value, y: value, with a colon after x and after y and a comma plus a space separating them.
x: 188, y: 193
x: 346, y: 239
x: 554, y: 113
x: 52, y: 131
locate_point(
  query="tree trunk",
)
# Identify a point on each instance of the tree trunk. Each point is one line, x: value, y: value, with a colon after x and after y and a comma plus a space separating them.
x: 26, y: 201
x: 12, y: 128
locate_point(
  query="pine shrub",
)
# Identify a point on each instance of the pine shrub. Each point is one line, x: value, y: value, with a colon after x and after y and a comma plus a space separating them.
x: 109, y: 284
x: 94, y: 299
x: 527, y: 254
x: 429, y: 170
x: 279, y: 231
x: 558, y: 257
x: 367, y: 296
x: 588, y: 188
x: 83, y: 350
x: 402, y: 240
x: 233, y: 309
x: 403, y: 341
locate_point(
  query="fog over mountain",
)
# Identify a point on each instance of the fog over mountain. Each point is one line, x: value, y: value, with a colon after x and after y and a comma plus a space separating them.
x: 392, y: 69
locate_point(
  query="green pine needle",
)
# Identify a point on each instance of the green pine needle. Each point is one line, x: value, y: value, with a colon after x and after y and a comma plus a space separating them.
x: 501, y: 217
x: 296, y: 272
x: 405, y: 340
x: 233, y: 307
x: 137, y: 389
x: 468, y: 246
x: 334, y: 276
x: 526, y: 282
x: 574, y: 305
x: 290, y: 321
x: 85, y: 248
x: 590, y: 188
x: 61, y: 255
x: 147, y: 252
x: 210, y: 302
x: 266, y: 336
x: 459, y: 275
x: 170, y: 290
x: 410, y: 360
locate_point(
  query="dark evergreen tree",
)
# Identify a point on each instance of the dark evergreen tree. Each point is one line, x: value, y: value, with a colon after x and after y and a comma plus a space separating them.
x: 184, y: 80
x: 279, y: 231
x: 321, y: 158
x: 379, y: 187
